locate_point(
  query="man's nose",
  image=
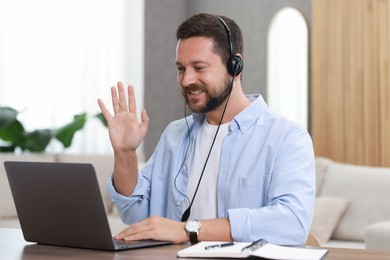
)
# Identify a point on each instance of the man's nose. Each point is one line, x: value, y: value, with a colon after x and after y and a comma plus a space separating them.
x: 188, y: 78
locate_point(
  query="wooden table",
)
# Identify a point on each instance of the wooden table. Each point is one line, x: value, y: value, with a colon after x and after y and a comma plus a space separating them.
x: 13, y: 246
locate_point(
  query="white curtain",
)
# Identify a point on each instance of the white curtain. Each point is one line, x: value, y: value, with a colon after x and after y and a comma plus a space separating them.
x: 58, y: 57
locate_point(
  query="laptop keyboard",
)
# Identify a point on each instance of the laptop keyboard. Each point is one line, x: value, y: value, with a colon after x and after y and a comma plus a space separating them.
x: 124, y: 243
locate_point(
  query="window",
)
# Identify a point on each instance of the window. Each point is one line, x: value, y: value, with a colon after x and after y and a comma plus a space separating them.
x: 58, y: 57
x: 287, y: 65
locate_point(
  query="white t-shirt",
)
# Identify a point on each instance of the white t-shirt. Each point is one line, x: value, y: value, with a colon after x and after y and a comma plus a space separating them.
x: 205, y: 203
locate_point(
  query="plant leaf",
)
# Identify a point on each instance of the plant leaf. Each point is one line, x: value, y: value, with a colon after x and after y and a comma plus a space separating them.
x: 65, y: 134
x: 37, y: 140
x: 13, y: 133
x: 7, y: 149
x: 7, y: 117
x: 101, y: 119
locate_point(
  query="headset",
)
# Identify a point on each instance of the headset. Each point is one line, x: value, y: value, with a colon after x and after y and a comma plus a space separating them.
x: 234, y: 67
x: 235, y: 64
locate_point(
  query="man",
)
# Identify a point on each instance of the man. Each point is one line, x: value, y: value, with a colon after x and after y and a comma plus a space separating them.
x: 235, y: 169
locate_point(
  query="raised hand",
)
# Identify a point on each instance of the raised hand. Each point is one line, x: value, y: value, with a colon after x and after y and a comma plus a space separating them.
x: 126, y: 132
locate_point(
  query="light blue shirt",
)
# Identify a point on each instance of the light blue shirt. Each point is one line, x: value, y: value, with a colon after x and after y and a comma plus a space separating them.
x: 266, y: 181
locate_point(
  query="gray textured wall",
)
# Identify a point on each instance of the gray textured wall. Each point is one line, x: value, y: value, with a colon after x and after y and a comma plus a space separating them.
x: 163, y: 100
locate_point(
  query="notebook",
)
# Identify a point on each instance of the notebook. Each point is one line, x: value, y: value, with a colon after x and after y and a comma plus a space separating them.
x: 61, y: 204
x: 261, y: 249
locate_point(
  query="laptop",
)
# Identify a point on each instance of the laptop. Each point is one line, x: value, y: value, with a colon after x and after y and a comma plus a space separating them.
x: 60, y: 204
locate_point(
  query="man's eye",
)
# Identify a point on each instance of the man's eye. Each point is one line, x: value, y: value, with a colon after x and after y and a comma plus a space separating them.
x: 199, y: 68
x: 180, y: 69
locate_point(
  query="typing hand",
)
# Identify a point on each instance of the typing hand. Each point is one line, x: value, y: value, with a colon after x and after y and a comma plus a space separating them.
x: 126, y: 133
x: 156, y: 228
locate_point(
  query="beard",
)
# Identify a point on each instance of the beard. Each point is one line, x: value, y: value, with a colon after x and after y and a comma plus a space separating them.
x: 213, y: 100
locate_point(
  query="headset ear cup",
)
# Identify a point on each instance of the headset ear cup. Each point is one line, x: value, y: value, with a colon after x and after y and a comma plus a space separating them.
x: 235, y: 66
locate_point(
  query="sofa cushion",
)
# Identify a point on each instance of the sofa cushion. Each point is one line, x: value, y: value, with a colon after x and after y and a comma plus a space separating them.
x: 12, y: 222
x: 378, y: 236
x: 344, y: 244
x: 366, y: 189
x: 104, y: 166
x: 7, y: 206
x: 327, y: 214
x: 321, y: 165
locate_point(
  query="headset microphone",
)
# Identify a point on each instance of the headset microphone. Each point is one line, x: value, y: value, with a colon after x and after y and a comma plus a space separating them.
x: 216, y: 101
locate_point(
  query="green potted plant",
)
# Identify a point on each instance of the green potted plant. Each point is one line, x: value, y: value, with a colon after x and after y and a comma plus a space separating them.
x: 14, y: 136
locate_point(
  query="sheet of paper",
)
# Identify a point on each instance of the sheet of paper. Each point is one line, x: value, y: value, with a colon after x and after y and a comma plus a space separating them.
x: 289, y: 253
x: 269, y: 251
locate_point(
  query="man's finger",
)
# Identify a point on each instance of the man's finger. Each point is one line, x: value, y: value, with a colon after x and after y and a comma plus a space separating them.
x: 115, y: 101
x: 122, y: 97
x: 144, y: 122
x: 104, y: 110
x: 132, y: 100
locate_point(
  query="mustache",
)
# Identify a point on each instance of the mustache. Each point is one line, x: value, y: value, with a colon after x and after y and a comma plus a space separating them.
x: 194, y: 87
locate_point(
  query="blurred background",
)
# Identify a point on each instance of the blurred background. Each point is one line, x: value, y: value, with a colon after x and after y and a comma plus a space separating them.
x: 58, y: 57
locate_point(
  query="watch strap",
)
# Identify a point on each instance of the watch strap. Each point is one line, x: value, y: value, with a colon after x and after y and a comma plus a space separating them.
x: 193, y: 237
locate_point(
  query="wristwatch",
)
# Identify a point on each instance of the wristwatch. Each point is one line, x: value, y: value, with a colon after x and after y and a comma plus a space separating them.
x: 192, y: 227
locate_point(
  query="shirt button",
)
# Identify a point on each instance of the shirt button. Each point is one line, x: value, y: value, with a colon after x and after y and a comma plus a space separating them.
x: 178, y: 203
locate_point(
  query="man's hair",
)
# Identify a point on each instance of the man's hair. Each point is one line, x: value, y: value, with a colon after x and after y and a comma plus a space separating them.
x: 209, y: 26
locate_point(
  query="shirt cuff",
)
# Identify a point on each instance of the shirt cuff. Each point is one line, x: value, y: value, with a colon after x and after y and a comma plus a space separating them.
x: 120, y: 200
x: 239, y: 221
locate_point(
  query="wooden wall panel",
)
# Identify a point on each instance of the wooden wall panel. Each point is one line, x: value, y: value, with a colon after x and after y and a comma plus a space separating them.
x: 384, y: 78
x: 370, y: 101
x: 350, y: 81
x: 353, y: 83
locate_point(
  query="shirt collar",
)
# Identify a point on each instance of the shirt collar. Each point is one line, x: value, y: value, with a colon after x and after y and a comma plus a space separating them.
x: 245, y: 118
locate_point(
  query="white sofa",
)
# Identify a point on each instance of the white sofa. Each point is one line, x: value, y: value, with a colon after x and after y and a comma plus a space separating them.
x: 103, y: 165
x: 352, y: 207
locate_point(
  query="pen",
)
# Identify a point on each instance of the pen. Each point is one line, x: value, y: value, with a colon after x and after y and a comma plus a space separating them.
x: 219, y: 245
x: 255, y: 245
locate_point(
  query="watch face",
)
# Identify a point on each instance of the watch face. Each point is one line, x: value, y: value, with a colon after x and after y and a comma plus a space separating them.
x: 193, y: 226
